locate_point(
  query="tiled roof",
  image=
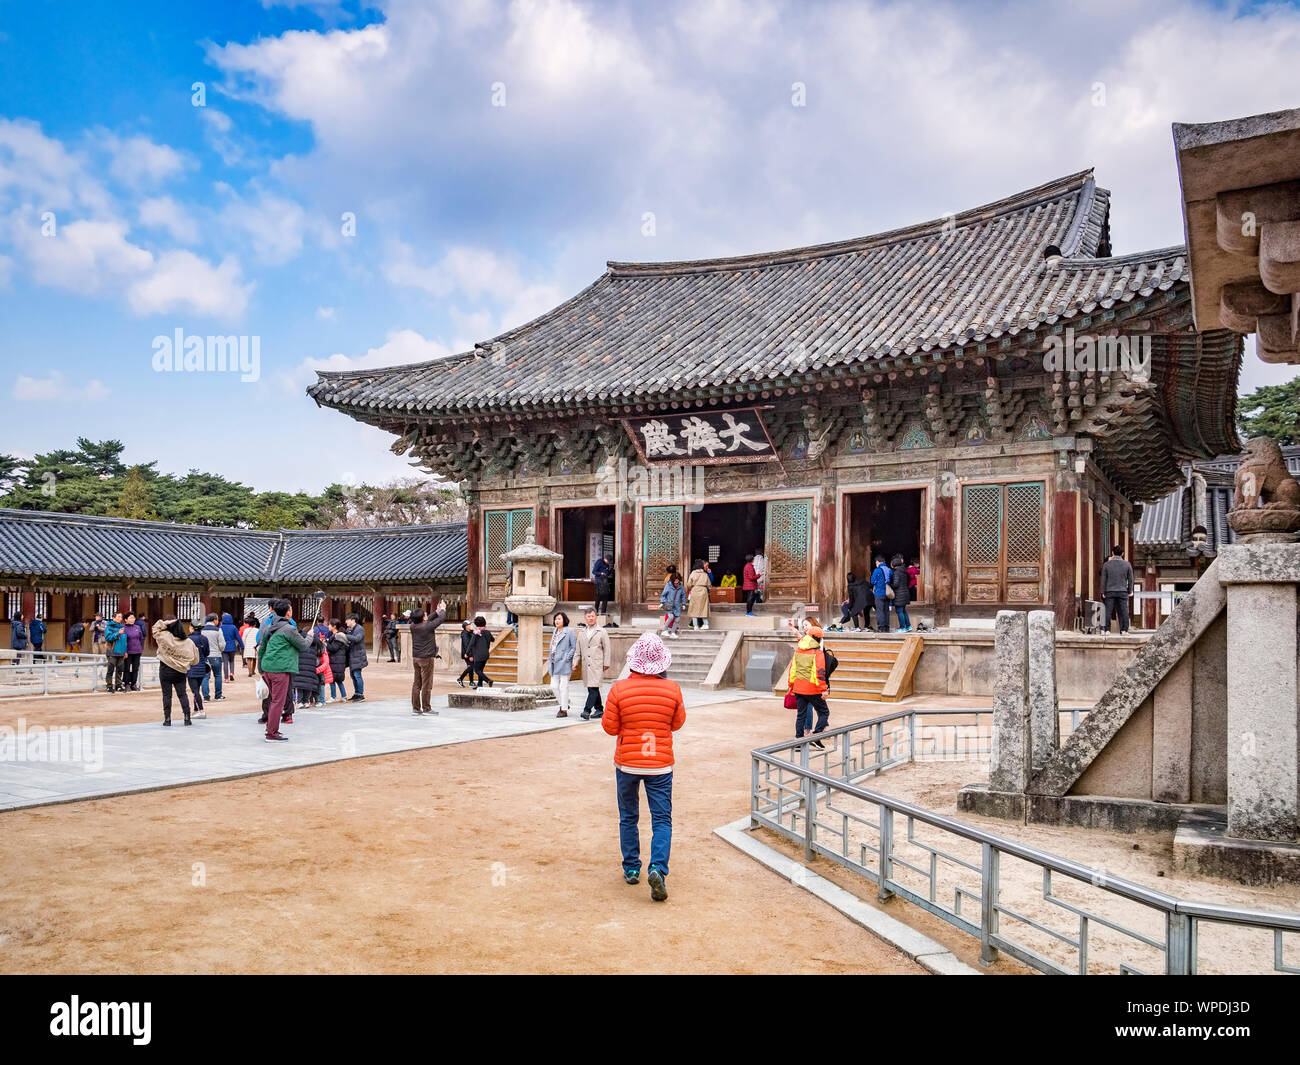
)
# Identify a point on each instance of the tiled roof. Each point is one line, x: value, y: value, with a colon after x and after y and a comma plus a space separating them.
x: 649, y: 330
x: 39, y: 544
x: 1168, y: 522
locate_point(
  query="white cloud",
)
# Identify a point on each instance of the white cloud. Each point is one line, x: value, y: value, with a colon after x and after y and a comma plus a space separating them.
x: 162, y: 212
x: 218, y: 132
x: 401, y: 347
x: 83, y: 256
x: 54, y: 387
x: 42, y: 173
x: 326, y: 314
x: 184, y: 282
x: 273, y: 224
x: 138, y: 161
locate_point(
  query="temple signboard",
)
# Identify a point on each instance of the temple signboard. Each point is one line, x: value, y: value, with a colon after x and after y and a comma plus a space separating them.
x: 701, y: 437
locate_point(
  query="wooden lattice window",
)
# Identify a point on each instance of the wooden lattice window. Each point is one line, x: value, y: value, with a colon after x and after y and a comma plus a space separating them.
x: 661, y: 546
x: 1003, y: 543
x: 107, y: 604
x: 789, y: 549
x: 503, y: 531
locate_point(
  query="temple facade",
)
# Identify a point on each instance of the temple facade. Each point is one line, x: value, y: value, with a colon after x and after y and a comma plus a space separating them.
x: 992, y: 394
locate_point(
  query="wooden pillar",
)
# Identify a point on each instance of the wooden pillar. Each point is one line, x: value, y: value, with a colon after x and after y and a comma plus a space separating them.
x: 29, y: 605
x: 1150, y: 608
x: 826, y: 583
x: 473, y: 561
x: 124, y: 604
x: 378, y: 606
x: 1064, y: 529
x: 626, y: 592
x: 943, y: 556
x: 327, y: 608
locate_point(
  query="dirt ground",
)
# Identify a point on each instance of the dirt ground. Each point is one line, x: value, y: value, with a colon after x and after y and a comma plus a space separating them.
x: 493, y: 856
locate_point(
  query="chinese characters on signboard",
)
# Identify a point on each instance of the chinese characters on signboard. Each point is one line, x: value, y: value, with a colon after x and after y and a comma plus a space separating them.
x: 702, y: 437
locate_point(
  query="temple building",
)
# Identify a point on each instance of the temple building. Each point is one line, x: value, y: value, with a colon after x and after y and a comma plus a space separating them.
x: 992, y: 393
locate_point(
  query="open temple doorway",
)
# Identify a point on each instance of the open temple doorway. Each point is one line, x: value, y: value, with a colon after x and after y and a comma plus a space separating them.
x: 585, y: 534
x: 886, y: 522
x: 722, y: 534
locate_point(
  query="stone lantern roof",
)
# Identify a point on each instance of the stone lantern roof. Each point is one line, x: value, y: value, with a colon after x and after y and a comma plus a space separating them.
x: 531, y: 551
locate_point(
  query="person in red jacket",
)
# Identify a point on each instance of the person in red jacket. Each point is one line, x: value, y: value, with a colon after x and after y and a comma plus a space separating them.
x: 749, y: 585
x: 644, y: 710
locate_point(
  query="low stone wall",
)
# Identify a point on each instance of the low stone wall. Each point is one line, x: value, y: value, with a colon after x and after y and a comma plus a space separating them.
x: 961, y: 663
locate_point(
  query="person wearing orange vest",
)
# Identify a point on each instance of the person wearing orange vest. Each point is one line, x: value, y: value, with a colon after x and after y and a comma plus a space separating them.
x: 808, y: 680
x: 643, y: 710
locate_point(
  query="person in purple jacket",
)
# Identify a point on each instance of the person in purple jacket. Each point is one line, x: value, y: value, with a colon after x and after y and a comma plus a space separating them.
x: 134, y: 649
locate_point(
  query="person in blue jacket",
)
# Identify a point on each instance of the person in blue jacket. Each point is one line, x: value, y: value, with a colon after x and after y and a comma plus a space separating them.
x: 879, y: 582
x: 198, y: 672
x: 115, y: 650
x: 602, y: 576
x: 37, y: 632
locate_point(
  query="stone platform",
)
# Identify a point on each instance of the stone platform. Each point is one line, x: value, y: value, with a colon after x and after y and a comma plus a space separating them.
x: 1202, y: 845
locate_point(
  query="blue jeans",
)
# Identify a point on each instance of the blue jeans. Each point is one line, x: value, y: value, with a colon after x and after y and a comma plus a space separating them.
x: 342, y: 691
x: 215, y: 662
x: 904, y: 622
x: 803, y: 716
x: 659, y: 797
x: 358, y: 687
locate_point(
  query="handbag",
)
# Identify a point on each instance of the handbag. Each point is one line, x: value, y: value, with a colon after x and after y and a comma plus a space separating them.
x: 889, y: 591
x: 791, y: 702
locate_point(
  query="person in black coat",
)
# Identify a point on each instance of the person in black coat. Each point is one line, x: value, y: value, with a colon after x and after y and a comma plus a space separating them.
x: 357, y: 658
x: 466, y: 639
x: 337, y: 648
x: 902, y: 585
x: 858, y: 607
x: 480, y: 647
x: 306, y: 682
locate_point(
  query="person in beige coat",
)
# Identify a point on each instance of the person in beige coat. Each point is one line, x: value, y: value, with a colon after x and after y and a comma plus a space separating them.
x: 594, y: 657
x: 176, y: 653
x: 697, y: 589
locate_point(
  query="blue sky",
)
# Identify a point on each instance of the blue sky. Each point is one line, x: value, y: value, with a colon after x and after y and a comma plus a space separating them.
x: 495, y: 155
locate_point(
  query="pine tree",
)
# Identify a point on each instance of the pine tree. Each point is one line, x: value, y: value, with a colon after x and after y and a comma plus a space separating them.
x: 135, y: 501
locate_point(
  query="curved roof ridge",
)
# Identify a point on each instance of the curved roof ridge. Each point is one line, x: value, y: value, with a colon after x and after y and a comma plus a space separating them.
x: 1083, y: 181
x: 105, y: 520
x: 449, y: 526
x: 371, y: 372
x: 1173, y: 251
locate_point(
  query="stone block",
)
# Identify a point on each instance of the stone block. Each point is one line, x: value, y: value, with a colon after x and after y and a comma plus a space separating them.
x: 1202, y: 846
x: 1262, y: 707
x: 491, y: 699
x: 1010, y: 767
x: 982, y: 800
x: 1171, y: 735
x: 1044, y: 721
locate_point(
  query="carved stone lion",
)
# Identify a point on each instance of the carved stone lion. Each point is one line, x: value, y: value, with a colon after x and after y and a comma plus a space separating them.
x: 1266, y: 498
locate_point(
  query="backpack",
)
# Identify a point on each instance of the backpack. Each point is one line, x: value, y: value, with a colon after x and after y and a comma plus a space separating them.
x: 832, y: 663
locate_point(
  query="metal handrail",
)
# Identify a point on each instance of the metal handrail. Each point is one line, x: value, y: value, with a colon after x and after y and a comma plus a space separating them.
x: 1181, y: 915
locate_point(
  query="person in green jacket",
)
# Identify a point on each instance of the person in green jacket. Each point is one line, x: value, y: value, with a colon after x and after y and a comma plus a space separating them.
x: 277, y: 658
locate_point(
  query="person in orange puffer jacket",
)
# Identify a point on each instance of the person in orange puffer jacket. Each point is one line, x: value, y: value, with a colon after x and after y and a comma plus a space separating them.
x: 808, y: 680
x: 643, y: 710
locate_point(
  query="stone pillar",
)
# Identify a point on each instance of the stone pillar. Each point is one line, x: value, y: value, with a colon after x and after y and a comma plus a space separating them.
x: 943, y: 556
x: 1064, y: 535
x: 1260, y: 580
x: 1044, y: 716
x: 1010, y: 767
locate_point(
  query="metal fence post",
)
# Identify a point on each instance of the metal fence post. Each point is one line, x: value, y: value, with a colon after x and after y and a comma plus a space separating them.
x: 886, y: 852
x: 1178, y: 944
x: 753, y: 793
x: 845, y: 747
x: 809, y: 816
x: 45, y: 677
x: 880, y: 745
x: 911, y: 736
x: 988, y: 904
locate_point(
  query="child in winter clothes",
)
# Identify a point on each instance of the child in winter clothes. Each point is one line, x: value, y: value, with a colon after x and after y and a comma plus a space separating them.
x: 673, y: 600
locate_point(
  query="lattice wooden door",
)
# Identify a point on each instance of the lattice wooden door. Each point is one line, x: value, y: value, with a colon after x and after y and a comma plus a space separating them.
x: 661, y: 547
x: 503, y: 530
x: 789, y: 549
x: 1002, y: 543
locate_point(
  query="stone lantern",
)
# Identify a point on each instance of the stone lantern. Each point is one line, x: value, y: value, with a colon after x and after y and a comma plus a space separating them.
x: 531, y: 600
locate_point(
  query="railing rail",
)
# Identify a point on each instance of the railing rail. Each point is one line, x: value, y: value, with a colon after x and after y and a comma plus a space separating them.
x: 811, y: 796
x: 58, y: 672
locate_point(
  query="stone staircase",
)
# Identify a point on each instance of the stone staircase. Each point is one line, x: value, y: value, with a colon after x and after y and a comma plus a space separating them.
x: 693, y: 654
x: 503, y: 665
x: 874, y: 670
